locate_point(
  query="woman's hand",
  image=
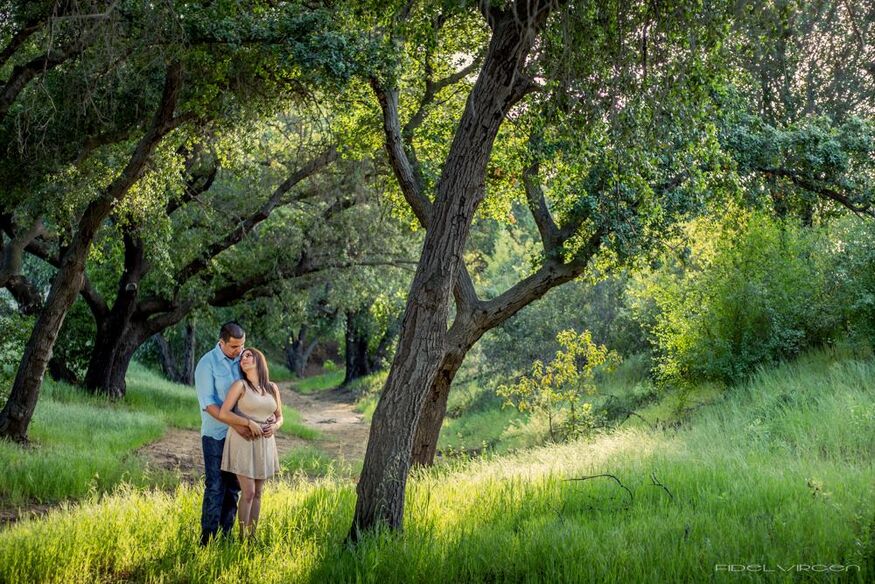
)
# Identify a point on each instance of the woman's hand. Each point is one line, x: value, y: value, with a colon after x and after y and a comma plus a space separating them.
x: 270, y: 426
x: 255, y: 428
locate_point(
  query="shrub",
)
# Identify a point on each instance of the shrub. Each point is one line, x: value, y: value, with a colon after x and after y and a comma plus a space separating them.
x: 853, y: 276
x: 561, y: 386
x: 748, y: 291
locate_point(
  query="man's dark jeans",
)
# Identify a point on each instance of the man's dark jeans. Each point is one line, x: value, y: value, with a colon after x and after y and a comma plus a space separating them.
x: 220, y: 496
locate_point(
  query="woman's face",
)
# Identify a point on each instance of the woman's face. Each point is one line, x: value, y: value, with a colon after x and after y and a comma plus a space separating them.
x: 247, y: 360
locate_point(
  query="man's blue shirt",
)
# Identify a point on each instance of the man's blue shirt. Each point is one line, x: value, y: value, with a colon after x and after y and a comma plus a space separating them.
x: 213, y: 377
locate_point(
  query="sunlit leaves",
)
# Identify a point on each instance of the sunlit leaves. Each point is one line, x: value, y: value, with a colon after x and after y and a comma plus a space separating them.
x: 562, y: 384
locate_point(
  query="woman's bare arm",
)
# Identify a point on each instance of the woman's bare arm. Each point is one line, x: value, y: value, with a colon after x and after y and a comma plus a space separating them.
x: 278, y: 414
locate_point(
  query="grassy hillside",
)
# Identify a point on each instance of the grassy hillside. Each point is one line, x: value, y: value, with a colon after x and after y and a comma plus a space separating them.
x: 778, y: 473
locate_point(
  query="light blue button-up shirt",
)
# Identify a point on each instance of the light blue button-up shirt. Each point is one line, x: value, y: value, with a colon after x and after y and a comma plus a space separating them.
x: 213, y: 377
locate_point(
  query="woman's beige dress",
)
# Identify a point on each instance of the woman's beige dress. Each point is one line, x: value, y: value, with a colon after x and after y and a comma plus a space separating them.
x: 257, y: 459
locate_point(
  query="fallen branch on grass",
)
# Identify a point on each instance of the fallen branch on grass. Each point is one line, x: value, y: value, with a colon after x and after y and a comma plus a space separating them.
x: 618, y: 481
x: 656, y: 483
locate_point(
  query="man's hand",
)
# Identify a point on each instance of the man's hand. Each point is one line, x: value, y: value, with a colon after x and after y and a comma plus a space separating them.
x: 268, y: 427
x: 245, y: 432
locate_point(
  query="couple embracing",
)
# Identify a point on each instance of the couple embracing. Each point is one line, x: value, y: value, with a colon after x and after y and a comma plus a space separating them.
x: 241, y: 411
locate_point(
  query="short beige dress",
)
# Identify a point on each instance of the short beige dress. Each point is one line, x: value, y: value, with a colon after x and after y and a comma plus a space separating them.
x: 257, y: 459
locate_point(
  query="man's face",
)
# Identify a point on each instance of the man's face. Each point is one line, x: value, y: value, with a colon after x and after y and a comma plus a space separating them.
x: 232, y: 347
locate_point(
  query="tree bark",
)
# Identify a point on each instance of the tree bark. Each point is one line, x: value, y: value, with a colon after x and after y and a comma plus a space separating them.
x: 60, y: 371
x: 18, y: 411
x: 116, y: 386
x: 422, y: 345
x: 165, y: 354
x: 356, y: 358
x: 186, y: 373
x: 434, y: 409
x: 26, y: 295
x: 112, y: 328
x: 296, y: 355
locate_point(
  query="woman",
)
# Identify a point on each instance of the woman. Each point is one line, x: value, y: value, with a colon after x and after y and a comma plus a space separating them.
x: 251, y: 401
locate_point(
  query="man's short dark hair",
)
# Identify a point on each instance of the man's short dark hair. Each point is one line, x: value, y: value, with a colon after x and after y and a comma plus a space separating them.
x: 231, y: 330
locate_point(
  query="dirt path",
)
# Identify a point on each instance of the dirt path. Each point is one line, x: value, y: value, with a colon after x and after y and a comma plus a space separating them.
x: 344, y: 430
x: 343, y: 436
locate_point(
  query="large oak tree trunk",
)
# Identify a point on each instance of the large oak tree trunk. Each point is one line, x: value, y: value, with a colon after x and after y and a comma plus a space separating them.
x: 377, y: 361
x: 295, y: 357
x: 109, y: 375
x: 18, y: 411
x: 422, y: 344
x: 113, y: 328
x: 466, y: 333
x: 434, y: 409
x: 116, y: 386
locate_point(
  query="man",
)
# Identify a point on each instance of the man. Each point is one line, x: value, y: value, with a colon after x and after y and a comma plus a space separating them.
x: 215, y: 373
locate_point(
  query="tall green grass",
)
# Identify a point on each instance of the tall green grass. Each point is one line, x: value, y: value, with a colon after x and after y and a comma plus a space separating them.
x: 82, y: 443
x: 311, y: 462
x: 317, y: 383
x: 150, y: 393
x: 777, y: 473
x: 293, y: 424
x: 280, y: 373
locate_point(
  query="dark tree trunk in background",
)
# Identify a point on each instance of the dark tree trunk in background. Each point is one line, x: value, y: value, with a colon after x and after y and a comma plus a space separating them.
x: 113, y: 328
x: 18, y: 411
x: 377, y: 361
x: 60, y: 371
x: 25, y: 294
x: 186, y: 371
x: 357, y: 360
x: 115, y: 381
x: 298, y: 351
x: 422, y: 343
x: 294, y: 358
x: 165, y: 355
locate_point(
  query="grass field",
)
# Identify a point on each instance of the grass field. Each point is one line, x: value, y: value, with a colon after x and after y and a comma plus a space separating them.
x: 317, y: 383
x: 778, y: 473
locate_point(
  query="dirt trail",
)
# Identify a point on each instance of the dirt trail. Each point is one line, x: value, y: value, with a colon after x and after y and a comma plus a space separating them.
x: 344, y: 430
x: 343, y: 436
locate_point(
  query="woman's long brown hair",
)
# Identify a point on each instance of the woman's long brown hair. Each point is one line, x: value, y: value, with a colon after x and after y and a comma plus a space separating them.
x: 262, y: 370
